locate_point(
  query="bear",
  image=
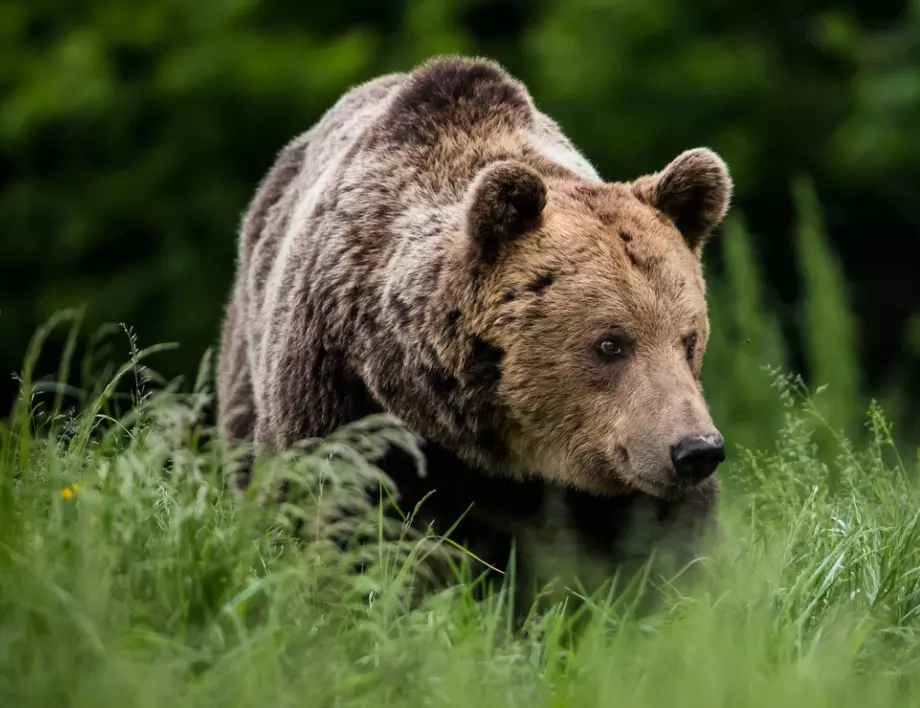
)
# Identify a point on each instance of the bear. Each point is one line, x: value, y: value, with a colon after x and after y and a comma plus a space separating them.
x: 435, y: 248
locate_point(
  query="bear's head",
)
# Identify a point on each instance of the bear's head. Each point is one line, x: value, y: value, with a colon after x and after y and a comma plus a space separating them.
x: 594, y: 294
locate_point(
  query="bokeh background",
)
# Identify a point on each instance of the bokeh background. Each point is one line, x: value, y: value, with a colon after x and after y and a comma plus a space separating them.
x: 132, y: 135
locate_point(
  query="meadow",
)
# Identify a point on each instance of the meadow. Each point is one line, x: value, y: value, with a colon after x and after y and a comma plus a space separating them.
x: 132, y: 574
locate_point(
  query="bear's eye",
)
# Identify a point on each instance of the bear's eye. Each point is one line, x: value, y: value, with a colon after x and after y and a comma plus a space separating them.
x: 612, y: 347
x: 690, y: 346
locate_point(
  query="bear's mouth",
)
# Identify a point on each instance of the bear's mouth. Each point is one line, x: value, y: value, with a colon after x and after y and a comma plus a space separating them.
x: 660, y: 489
x: 662, y: 485
x: 657, y: 480
x: 666, y: 485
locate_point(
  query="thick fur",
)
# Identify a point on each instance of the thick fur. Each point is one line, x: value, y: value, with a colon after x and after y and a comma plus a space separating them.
x: 436, y: 248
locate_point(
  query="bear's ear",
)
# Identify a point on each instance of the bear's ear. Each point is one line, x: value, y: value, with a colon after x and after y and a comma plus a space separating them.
x: 505, y: 200
x: 694, y: 190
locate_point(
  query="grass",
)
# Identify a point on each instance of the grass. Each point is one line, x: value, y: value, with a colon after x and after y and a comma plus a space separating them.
x: 130, y: 574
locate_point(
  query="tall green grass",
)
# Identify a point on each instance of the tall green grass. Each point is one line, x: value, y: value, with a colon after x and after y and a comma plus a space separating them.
x: 131, y: 574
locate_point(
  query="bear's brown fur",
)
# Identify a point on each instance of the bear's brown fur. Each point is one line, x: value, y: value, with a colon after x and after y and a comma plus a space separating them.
x: 436, y: 248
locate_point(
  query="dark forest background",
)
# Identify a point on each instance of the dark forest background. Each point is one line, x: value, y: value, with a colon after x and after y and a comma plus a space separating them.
x: 132, y: 135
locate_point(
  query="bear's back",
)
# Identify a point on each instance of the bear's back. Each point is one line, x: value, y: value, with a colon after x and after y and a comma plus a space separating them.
x: 351, y: 225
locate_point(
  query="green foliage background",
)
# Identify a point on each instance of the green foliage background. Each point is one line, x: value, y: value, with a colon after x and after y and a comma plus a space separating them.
x: 130, y: 575
x: 133, y: 134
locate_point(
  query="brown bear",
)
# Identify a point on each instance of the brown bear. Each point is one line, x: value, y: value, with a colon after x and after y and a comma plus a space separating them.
x: 435, y: 248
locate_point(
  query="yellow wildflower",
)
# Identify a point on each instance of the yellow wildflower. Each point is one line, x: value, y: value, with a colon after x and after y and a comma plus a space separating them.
x: 67, y: 493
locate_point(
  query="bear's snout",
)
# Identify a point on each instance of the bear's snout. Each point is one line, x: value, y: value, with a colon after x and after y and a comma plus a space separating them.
x: 696, y: 457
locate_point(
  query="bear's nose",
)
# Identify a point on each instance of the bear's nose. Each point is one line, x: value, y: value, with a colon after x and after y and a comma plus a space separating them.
x: 696, y: 458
